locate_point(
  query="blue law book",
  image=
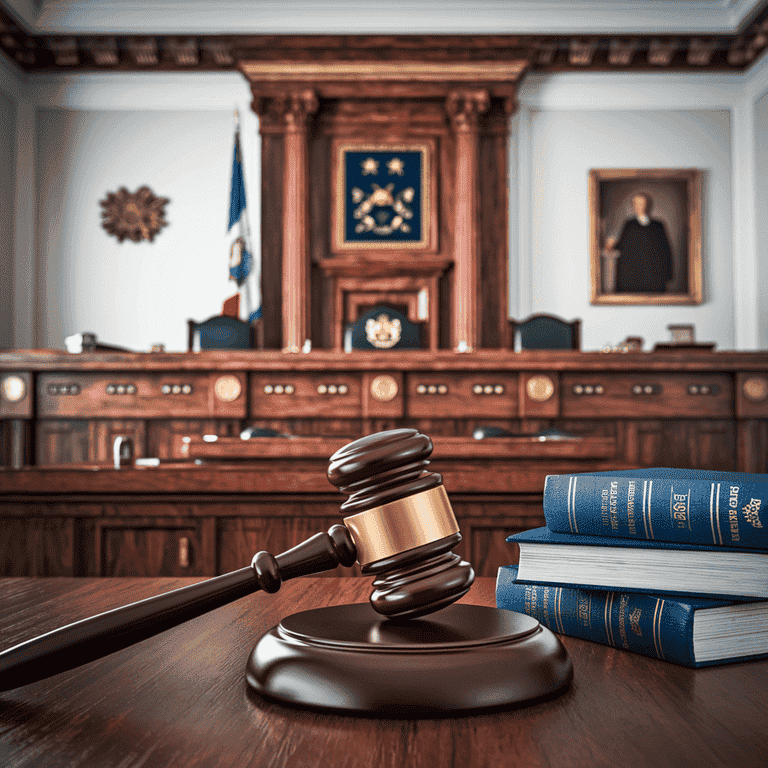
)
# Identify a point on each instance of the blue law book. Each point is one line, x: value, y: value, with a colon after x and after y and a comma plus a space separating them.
x: 688, y: 631
x: 640, y: 566
x: 686, y: 506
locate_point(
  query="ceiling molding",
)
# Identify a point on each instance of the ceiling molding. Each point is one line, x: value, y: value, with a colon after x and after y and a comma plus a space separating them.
x: 626, y: 52
x: 395, y: 17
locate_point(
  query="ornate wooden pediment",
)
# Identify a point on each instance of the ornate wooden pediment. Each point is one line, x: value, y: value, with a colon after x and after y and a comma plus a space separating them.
x: 373, y: 190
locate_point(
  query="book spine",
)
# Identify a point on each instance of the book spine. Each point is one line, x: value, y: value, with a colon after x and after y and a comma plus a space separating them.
x: 650, y: 625
x: 719, y: 512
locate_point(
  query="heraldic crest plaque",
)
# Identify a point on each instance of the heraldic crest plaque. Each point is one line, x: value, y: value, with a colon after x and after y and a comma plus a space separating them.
x: 383, y: 197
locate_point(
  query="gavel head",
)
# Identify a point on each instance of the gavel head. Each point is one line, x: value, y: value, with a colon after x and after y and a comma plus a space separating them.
x: 401, y: 522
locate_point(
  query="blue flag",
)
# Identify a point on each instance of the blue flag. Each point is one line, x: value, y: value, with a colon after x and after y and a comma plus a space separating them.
x: 242, y: 268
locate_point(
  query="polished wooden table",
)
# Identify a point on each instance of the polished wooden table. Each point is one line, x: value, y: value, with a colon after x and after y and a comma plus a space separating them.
x: 180, y: 699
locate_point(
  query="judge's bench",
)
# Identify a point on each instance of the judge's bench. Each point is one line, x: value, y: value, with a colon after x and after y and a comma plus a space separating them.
x: 211, y: 499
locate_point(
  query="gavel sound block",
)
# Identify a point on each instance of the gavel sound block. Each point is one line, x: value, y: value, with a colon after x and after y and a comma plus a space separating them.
x: 389, y: 657
x: 382, y: 657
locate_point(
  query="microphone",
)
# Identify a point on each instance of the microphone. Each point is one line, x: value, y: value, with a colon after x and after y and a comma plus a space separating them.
x: 401, y: 529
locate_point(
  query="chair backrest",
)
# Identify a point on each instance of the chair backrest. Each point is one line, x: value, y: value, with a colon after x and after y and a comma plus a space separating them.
x: 382, y: 328
x: 221, y: 332
x: 543, y: 331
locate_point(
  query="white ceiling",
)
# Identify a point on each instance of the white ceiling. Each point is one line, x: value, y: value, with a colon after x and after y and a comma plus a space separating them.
x: 384, y: 17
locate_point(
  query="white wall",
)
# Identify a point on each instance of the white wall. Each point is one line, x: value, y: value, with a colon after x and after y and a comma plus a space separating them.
x: 92, y: 134
x: 135, y: 294
x: 566, y: 145
x: 761, y: 179
x: 574, y: 122
x: 7, y: 176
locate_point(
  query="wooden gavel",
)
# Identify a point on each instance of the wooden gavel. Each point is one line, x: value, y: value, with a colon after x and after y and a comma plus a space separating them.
x: 400, y: 527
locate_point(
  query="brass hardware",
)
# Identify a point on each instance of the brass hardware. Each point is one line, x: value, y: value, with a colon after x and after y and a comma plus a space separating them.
x: 384, y: 388
x: 755, y: 388
x: 402, y: 524
x: 13, y: 389
x: 540, y: 388
x: 646, y: 389
x: 227, y: 388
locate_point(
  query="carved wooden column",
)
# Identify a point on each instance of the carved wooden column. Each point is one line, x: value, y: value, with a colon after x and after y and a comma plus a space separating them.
x: 296, y: 108
x: 463, y: 108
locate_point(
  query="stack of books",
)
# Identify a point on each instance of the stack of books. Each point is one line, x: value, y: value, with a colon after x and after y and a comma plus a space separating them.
x: 670, y: 563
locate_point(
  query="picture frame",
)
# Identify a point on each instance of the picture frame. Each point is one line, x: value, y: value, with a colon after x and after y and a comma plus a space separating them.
x: 383, y: 196
x: 645, y: 236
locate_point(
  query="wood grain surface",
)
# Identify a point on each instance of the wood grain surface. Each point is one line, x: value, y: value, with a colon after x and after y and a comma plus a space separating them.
x: 180, y: 699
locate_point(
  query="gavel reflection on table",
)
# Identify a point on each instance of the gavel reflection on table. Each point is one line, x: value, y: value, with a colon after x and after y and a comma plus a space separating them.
x: 383, y: 657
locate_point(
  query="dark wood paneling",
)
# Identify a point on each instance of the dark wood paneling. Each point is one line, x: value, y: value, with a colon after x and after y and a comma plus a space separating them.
x: 149, y: 540
x: 281, y: 527
x: 646, y: 395
x: 36, y: 546
x: 331, y: 394
x: 493, y: 228
x: 137, y: 395
x: 65, y: 441
x: 451, y: 394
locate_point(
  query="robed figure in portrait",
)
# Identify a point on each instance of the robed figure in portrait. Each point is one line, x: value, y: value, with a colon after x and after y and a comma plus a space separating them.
x: 645, y: 261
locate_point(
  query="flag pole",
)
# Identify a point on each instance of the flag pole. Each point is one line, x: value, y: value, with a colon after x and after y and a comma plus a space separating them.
x: 245, y: 230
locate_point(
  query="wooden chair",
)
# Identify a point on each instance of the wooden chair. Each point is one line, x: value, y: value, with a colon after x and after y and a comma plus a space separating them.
x: 382, y: 328
x: 221, y: 332
x: 542, y: 331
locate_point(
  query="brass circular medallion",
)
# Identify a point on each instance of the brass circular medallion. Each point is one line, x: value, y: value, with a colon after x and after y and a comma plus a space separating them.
x: 13, y: 389
x: 384, y: 388
x: 755, y: 388
x: 540, y: 388
x: 137, y: 216
x: 227, y: 388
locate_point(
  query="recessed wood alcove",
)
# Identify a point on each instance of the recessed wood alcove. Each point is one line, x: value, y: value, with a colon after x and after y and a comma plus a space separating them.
x: 453, y: 107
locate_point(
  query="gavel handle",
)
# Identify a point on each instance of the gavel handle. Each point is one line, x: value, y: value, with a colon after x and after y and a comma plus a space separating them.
x: 92, y: 638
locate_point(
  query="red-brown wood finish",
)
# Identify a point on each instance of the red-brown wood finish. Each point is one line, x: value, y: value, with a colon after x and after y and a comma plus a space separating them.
x: 64, y: 517
x: 456, y: 107
x: 181, y: 697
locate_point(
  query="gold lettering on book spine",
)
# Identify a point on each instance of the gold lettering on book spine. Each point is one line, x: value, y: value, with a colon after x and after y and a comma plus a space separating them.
x: 752, y: 512
x: 714, y: 513
x: 657, y: 627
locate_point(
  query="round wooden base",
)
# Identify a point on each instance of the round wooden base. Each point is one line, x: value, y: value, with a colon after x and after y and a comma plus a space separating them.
x: 459, y: 659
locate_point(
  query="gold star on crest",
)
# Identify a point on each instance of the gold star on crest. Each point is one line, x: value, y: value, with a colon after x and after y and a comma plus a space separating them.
x: 370, y: 166
x: 396, y: 166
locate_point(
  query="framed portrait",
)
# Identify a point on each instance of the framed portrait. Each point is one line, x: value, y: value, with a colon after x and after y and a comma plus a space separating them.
x: 645, y: 236
x: 383, y: 196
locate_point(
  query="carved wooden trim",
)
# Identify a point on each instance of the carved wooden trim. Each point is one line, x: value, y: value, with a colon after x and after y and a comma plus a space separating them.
x: 419, y: 71
x: 296, y: 108
x: 464, y: 109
